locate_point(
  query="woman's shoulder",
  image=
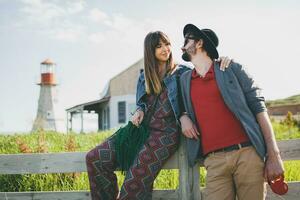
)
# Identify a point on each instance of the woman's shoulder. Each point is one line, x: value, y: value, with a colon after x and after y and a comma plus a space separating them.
x: 180, y: 68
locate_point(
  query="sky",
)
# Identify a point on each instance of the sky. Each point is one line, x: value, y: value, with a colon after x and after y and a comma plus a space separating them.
x: 92, y: 41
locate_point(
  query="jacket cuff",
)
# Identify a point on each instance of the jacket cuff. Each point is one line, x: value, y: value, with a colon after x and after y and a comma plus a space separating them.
x: 259, y: 107
x: 140, y: 108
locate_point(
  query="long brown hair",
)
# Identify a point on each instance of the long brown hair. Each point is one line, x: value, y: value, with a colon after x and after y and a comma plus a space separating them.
x: 152, y: 78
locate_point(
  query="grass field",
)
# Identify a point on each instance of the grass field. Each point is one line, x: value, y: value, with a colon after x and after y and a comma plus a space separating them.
x: 58, y: 142
x: 287, y: 101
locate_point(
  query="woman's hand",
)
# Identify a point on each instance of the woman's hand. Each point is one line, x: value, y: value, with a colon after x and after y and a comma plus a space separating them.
x: 225, y: 61
x: 137, y: 118
x: 188, y: 128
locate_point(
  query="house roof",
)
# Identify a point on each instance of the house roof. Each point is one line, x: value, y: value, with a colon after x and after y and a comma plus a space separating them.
x: 123, y: 83
x: 137, y: 63
x: 91, y: 105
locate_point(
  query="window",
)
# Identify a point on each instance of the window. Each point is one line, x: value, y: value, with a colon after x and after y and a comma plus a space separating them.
x: 105, y: 118
x: 122, y: 111
x: 49, y: 115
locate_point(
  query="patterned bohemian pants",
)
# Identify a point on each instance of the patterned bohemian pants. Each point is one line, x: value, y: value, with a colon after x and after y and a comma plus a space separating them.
x: 138, y: 183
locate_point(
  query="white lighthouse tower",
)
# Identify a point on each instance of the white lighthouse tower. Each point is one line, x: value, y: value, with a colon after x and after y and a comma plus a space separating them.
x: 45, y: 118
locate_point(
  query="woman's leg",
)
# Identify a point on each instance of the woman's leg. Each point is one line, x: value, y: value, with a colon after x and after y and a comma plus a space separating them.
x: 101, y: 163
x: 138, y: 183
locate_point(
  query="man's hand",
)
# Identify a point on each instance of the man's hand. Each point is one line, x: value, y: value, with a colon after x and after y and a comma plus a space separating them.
x: 225, y: 61
x: 274, y: 167
x: 188, y: 128
x: 137, y: 118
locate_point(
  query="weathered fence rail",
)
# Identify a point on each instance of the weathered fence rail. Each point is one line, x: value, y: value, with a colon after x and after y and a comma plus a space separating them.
x: 189, y: 187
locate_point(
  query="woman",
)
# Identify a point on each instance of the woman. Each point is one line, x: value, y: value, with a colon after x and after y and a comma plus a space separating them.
x: 156, y: 92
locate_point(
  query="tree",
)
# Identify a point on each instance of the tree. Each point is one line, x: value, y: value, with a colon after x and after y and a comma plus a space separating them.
x: 289, y: 121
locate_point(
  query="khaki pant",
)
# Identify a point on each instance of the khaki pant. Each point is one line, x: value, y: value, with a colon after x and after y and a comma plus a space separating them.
x: 237, y: 173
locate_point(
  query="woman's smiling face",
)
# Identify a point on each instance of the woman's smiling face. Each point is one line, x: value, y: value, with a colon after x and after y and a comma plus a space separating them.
x: 163, y: 51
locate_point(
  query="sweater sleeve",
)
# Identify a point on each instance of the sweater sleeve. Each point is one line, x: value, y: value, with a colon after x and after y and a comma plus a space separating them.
x: 252, y: 92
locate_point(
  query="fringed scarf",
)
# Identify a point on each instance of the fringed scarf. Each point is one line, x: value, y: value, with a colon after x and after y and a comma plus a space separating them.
x: 128, y: 141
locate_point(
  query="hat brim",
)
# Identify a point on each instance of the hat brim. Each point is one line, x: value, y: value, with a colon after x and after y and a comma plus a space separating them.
x: 190, y: 28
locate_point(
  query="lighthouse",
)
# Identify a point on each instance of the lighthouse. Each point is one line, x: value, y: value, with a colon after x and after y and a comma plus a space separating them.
x: 45, y: 118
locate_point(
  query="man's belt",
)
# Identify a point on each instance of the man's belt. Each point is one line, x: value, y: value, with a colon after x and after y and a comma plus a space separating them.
x: 232, y: 147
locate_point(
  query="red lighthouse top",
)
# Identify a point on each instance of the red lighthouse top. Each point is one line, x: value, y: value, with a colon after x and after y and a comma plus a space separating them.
x: 47, y: 62
x: 47, y: 72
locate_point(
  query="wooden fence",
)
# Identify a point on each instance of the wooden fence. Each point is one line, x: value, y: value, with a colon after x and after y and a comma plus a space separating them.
x: 189, y: 188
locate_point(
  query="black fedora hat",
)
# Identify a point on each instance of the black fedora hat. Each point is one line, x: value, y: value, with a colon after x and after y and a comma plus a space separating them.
x: 207, y: 35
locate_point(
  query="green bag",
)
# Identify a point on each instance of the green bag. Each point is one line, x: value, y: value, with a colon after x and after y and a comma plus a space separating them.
x: 128, y: 141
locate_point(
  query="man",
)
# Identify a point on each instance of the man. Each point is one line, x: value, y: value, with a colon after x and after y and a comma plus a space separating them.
x: 226, y: 123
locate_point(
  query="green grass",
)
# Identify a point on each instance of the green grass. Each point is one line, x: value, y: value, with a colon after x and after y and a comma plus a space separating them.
x: 283, y: 132
x: 287, y: 101
x: 292, y: 172
x: 56, y: 142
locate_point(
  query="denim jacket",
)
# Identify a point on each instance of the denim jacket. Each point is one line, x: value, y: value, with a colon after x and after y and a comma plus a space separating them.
x: 243, y: 99
x: 171, y: 82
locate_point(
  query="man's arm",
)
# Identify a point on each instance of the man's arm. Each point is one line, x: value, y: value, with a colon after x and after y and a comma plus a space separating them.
x: 188, y: 128
x: 274, y: 165
x: 253, y: 94
x: 256, y: 102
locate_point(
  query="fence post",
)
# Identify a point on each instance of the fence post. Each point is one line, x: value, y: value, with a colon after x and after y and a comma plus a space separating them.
x: 189, y: 188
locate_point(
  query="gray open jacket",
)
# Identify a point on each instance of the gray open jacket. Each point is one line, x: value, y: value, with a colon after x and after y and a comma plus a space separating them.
x: 242, y: 97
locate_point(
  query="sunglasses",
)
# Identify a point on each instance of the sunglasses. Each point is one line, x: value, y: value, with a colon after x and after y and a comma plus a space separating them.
x: 187, y: 38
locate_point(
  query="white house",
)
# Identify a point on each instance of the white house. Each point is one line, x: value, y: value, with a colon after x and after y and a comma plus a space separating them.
x: 116, y: 103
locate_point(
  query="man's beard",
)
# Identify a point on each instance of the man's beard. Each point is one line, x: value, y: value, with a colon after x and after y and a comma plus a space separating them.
x: 186, y: 56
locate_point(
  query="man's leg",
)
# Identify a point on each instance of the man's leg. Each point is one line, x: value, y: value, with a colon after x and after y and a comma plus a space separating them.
x: 101, y: 163
x: 219, y: 181
x: 248, y: 175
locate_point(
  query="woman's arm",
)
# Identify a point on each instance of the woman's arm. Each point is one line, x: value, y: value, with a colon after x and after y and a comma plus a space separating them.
x: 138, y: 115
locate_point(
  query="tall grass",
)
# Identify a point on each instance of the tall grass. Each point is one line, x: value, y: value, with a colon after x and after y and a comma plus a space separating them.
x: 59, y: 142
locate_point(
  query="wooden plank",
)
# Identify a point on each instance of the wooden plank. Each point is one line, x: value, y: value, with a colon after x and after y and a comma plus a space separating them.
x: 293, y: 194
x: 165, y: 195
x: 75, y: 161
x: 72, y: 195
x: 189, y: 188
x: 184, y: 174
x: 42, y: 163
x: 75, y: 195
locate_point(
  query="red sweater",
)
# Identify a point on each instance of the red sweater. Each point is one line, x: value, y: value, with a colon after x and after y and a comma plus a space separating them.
x: 219, y: 126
